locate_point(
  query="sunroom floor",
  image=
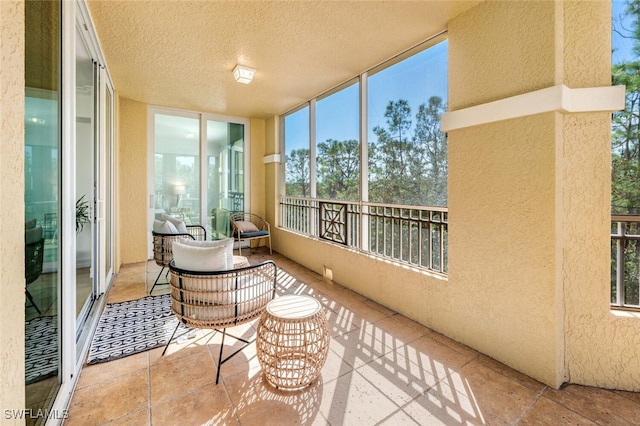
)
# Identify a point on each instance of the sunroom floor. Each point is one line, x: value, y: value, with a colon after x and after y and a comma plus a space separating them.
x: 382, y: 368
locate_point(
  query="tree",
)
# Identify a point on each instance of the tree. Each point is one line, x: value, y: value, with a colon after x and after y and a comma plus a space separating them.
x: 338, y: 167
x: 297, y: 173
x: 390, y: 175
x: 625, y: 140
x: 408, y: 165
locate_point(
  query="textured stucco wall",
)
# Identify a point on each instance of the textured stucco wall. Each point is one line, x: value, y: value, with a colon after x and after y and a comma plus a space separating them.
x: 528, y: 203
x: 12, y: 394
x: 502, y: 197
x: 501, y: 49
x: 601, y: 346
x: 132, y: 181
x: 272, y: 171
x: 257, y: 170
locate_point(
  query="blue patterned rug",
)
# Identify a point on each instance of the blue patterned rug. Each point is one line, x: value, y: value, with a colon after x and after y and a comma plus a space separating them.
x: 131, y: 327
x: 41, y: 349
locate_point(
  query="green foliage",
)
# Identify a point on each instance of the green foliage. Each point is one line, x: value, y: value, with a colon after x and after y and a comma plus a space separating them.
x: 407, y: 163
x: 338, y: 168
x: 297, y: 179
x: 82, y: 214
x: 410, y: 167
x: 625, y: 135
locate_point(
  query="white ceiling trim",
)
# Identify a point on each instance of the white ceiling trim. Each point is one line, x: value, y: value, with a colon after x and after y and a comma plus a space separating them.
x: 558, y: 98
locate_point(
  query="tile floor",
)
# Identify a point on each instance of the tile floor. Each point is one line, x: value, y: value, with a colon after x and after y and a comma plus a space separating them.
x: 382, y: 369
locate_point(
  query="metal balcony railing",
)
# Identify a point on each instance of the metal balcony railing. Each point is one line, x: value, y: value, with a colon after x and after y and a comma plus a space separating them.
x: 625, y: 261
x: 407, y: 234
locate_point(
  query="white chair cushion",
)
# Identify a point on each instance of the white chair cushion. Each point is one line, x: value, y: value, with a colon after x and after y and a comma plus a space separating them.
x: 194, y: 258
x: 164, y: 227
x: 226, y: 243
x: 180, y: 225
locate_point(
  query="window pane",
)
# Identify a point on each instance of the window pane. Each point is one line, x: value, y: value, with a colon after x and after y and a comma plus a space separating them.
x: 177, y: 167
x: 407, y: 150
x: 42, y: 204
x: 225, y: 175
x: 296, y: 134
x: 338, y: 145
x: 625, y: 156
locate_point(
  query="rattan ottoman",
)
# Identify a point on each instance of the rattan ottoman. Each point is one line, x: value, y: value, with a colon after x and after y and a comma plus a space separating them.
x: 240, y: 262
x: 293, y: 341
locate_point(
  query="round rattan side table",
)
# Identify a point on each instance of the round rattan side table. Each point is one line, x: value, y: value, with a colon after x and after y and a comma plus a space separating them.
x: 240, y: 262
x: 293, y: 341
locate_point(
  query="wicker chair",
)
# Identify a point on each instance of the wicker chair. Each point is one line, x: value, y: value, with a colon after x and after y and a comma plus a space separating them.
x: 162, y: 252
x: 249, y: 226
x: 221, y: 299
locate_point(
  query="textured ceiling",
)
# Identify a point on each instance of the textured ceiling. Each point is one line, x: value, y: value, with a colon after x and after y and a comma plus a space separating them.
x: 180, y: 54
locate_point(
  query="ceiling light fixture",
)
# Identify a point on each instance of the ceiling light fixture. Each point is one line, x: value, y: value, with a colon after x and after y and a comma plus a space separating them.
x: 243, y: 74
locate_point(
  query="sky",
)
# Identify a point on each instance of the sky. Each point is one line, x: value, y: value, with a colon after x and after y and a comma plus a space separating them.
x: 414, y: 79
x: 622, y: 46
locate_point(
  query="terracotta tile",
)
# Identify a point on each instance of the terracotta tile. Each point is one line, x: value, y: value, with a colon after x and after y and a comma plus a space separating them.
x: 367, y: 312
x: 110, y: 400
x: 546, y: 412
x: 244, y: 361
x: 382, y: 368
x: 206, y: 405
x: 410, y: 378
x: 357, y: 349
x: 40, y: 391
x: 196, y: 338
x: 343, y: 322
x: 354, y: 400
x: 488, y: 392
x: 519, y: 377
x: 170, y: 376
x: 391, y: 329
x: 378, y: 307
x: 599, y: 405
x: 633, y: 396
x: 399, y: 418
x: 342, y: 296
x: 257, y: 402
x: 334, y: 367
x: 448, y: 408
x: 98, y: 373
x: 396, y: 383
x: 433, y: 357
x: 138, y: 418
x: 456, y: 346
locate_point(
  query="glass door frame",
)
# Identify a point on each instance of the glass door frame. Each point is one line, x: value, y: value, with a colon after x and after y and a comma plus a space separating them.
x: 203, y: 117
x: 71, y: 350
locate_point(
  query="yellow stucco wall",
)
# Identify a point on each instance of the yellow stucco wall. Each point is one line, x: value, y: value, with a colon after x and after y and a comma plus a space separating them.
x: 257, y: 187
x: 132, y: 181
x: 502, y: 190
x: 528, y: 204
x: 12, y: 391
x: 601, y: 345
x: 529, y: 207
x: 272, y: 171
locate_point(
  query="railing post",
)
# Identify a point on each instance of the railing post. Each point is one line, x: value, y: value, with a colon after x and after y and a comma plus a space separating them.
x: 620, y: 264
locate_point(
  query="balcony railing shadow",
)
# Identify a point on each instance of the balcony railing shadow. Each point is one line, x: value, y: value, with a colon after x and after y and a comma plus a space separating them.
x: 382, y: 368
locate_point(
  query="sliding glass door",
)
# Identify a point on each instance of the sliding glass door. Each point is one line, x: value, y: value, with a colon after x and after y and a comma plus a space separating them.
x: 177, y: 161
x: 199, y: 169
x: 42, y: 197
x: 85, y: 179
x: 225, y: 175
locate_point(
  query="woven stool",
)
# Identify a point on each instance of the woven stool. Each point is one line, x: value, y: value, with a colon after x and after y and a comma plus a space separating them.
x: 240, y: 262
x: 293, y: 341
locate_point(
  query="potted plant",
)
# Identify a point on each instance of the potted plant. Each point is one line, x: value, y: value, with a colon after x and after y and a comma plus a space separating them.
x: 82, y: 214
